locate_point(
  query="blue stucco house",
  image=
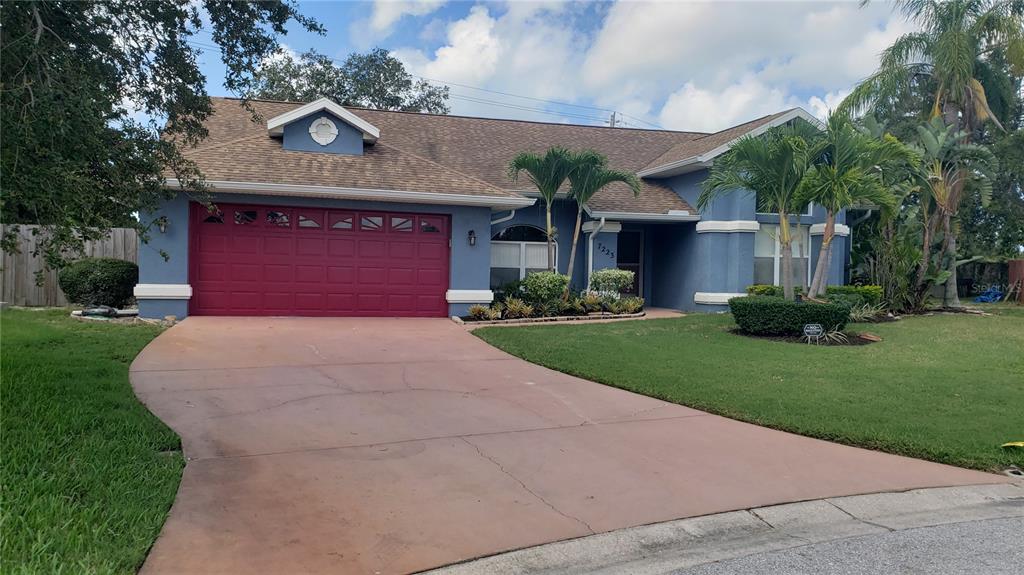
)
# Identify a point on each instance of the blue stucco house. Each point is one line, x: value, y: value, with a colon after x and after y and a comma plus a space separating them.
x: 323, y: 210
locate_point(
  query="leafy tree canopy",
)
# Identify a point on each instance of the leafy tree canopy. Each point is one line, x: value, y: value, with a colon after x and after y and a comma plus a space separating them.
x: 98, y: 101
x: 372, y: 80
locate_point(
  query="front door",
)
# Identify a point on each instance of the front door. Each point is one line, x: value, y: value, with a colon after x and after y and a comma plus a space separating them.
x: 631, y: 257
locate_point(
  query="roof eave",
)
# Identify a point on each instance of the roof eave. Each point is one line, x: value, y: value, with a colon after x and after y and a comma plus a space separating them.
x: 496, y: 203
x: 669, y: 216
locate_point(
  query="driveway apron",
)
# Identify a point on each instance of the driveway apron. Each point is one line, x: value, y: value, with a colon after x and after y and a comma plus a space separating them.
x: 329, y: 445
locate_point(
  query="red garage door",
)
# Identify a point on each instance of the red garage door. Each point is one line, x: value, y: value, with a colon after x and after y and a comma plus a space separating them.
x: 269, y: 260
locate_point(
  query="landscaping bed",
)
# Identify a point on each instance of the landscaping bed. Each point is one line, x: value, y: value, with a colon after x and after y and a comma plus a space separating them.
x: 945, y: 387
x: 88, y: 473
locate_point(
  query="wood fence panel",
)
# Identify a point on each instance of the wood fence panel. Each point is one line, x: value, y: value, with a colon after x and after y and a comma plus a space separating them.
x: 18, y: 274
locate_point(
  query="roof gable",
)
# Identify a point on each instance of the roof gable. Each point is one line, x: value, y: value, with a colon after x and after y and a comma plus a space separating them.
x: 275, y: 125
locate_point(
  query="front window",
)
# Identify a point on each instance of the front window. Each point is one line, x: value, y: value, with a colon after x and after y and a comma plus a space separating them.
x: 517, y: 251
x: 768, y: 255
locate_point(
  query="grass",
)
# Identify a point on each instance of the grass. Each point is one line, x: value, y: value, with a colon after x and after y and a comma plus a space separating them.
x: 949, y: 388
x: 88, y: 474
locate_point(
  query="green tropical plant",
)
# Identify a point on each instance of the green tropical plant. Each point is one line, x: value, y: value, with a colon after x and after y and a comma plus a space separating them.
x: 544, y: 287
x: 950, y: 167
x: 611, y: 281
x: 772, y: 166
x: 516, y: 308
x: 848, y: 173
x: 547, y: 173
x: 950, y: 49
x: 590, y: 174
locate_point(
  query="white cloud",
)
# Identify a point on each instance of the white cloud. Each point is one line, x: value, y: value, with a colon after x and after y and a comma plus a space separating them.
x: 693, y: 108
x: 387, y: 12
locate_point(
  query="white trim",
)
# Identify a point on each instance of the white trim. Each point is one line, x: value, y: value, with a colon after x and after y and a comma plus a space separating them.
x: 275, y: 125
x: 469, y: 296
x: 808, y: 213
x: 163, y: 291
x: 299, y: 190
x: 715, y: 298
x: 694, y: 163
x: 819, y: 230
x: 727, y: 226
x: 522, y: 253
x: 672, y: 216
x: 607, y: 228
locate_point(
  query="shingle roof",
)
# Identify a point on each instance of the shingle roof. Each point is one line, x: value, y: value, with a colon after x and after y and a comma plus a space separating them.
x: 441, y: 154
x: 705, y: 144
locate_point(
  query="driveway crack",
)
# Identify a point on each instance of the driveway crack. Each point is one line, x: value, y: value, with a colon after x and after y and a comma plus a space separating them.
x: 855, y: 518
x: 528, y: 490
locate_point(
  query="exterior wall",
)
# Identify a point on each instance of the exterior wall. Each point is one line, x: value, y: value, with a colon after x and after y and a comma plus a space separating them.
x: 469, y: 267
x: 296, y: 136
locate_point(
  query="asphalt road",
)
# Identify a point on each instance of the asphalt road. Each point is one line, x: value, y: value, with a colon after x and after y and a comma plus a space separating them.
x: 992, y: 547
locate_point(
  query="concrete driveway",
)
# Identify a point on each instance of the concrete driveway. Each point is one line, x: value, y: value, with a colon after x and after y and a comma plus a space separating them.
x: 397, y: 445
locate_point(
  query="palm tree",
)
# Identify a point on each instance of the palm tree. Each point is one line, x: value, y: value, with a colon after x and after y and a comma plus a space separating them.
x: 547, y: 173
x: 955, y: 37
x: 848, y: 173
x: 950, y: 168
x: 589, y: 175
x: 770, y: 165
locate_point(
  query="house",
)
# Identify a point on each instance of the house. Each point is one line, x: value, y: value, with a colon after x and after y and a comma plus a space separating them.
x: 332, y: 211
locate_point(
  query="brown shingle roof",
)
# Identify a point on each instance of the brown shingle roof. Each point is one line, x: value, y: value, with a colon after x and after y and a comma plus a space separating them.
x: 705, y: 144
x: 441, y: 154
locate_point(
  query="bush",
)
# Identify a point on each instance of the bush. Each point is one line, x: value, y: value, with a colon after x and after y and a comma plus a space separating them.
x: 769, y: 315
x: 765, y: 289
x: 572, y: 306
x: 99, y: 281
x: 628, y: 305
x: 544, y: 287
x: 511, y: 289
x: 611, y: 281
x: 592, y: 301
x: 872, y: 295
x: 484, y: 313
x: 516, y: 308
x: 850, y: 300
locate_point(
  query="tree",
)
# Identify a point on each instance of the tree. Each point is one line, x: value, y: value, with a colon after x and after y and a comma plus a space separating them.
x: 547, y: 173
x: 772, y: 166
x: 77, y: 158
x: 848, y: 173
x: 373, y: 80
x: 955, y: 38
x: 950, y: 168
x: 590, y: 174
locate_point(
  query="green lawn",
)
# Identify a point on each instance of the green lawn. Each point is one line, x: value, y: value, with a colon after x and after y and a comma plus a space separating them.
x: 949, y: 388
x: 88, y: 474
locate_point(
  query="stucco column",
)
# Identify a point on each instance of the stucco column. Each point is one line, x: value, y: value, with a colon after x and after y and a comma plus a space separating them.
x: 725, y: 250
x: 163, y: 287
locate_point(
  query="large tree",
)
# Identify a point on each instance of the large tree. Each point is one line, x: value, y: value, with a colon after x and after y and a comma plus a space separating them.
x: 98, y: 100
x: 375, y: 79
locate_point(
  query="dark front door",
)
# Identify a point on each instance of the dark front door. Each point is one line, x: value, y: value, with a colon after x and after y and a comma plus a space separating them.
x: 631, y: 257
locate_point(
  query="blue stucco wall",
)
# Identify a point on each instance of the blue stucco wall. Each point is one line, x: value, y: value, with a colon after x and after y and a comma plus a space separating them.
x: 736, y: 206
x: 296, y: 136
x: 469, y: 267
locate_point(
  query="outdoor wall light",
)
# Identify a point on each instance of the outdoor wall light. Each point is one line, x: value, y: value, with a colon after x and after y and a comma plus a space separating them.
x: 161, y: 223
x: 471, y: 236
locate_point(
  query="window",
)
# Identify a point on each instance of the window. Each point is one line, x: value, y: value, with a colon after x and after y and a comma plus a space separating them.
x: 243, y: 217
x: 430, y: 225
x: 279, y: 219
x: 309, y: 220
x: 516, y: 252
x: 401, y: 224
x: 768, y: 255
x: 216, y: 218
x: 341, y: 221
x: 373, y: 223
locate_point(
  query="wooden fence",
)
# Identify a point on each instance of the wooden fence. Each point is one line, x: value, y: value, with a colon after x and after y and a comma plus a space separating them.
x: 18, y: 272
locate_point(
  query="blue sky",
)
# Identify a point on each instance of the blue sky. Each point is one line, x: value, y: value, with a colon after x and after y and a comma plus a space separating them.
x: 679, y: 65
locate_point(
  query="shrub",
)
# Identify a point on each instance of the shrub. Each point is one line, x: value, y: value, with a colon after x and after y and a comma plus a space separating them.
x: 572, y: 306
x: 484, y: 313
x: 765, y: 289
x: 99, y: 281
x: 511, y: 289
x: 550, y: 308
x: 516, y: 308
x: 611, y: 281
x: 544, y: 287
x: 592, y: 301
x: 631, y: 304
x: 866, y: 313
x: 872, y: 295
x: 769, y: 315
x: 850, y: 300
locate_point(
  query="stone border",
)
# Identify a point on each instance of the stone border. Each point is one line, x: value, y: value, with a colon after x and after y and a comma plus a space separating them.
x: 557, y: 318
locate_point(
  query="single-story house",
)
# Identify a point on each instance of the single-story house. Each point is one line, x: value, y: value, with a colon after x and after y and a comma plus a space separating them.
x: 331, y: 211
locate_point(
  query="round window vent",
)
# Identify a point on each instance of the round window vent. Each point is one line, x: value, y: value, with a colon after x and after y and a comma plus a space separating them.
x: 323, y: 131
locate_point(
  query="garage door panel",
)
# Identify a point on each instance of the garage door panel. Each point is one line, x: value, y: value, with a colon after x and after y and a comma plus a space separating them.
x: 301, y: 261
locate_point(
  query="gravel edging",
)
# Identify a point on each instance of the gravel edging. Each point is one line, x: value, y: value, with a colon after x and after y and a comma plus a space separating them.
x: 559, y: 318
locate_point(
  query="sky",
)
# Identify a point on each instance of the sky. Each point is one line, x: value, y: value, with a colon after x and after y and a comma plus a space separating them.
x: 699, y: 65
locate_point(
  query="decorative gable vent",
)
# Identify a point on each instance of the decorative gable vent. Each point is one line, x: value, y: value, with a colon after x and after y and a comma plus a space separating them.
x: 323, y: 131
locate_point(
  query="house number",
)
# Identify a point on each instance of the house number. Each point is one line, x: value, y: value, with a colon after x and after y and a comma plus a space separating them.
x: 604, y: 250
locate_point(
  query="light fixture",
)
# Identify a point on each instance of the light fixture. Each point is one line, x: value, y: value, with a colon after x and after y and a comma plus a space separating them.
x: 472, y: 237
x: 161, y: 223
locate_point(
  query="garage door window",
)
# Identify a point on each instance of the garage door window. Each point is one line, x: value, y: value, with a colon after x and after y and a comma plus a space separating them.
x: 310, y: 221
x: 245, y: 217
x: 341, y: 221
x: 278, y: 219
x: 400, y: 224
x: 371, y: 223
x: 430, y: 225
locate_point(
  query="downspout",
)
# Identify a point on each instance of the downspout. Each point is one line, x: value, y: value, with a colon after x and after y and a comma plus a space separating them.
x: 502, y: 220
x: 590, y: 249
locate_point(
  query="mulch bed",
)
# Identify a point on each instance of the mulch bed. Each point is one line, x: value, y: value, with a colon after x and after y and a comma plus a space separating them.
x: 852, y: 339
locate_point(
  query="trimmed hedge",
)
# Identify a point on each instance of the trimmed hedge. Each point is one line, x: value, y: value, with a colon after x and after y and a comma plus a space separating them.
x: 544, y: 287
x: 99, y: 281
x: 872, y: 294
x: 770, y: 315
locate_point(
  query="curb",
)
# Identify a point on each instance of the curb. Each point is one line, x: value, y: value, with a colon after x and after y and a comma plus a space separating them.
x: 665, y: 547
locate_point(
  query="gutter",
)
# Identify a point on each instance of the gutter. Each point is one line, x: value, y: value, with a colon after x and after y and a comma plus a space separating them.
x: 671, y: 216
x: 498, y: 203
x: 504, y: 219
